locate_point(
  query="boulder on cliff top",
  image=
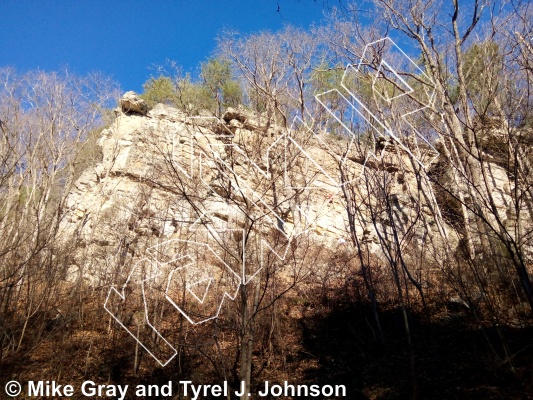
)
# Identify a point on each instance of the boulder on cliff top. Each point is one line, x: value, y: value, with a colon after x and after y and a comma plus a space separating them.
x: 132, y: 103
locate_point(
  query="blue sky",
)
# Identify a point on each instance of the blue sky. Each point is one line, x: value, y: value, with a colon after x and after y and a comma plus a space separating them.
x: 123, y: 38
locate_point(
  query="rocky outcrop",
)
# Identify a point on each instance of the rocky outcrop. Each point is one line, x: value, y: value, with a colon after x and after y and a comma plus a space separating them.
x: 132, y: 103
x: 164, y: 175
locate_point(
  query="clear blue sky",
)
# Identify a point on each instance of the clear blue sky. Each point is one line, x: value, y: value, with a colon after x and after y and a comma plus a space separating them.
x: 123, y: 38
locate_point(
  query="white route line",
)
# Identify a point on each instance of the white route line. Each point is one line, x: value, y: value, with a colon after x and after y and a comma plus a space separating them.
x: 122, y: 296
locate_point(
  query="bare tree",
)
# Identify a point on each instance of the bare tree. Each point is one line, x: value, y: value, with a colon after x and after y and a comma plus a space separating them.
x: 45, y: 118
x: 452, y: 65
x: 275, y: 68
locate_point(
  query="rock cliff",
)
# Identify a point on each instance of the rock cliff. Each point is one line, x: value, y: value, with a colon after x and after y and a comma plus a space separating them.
x: 163, y: 174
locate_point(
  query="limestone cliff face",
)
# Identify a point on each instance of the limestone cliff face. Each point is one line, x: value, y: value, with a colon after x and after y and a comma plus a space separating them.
x: 163, y: 175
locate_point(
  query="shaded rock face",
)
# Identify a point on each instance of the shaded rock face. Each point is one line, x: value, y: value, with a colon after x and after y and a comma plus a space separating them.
x: 132, y: 103
x: 500, y: 199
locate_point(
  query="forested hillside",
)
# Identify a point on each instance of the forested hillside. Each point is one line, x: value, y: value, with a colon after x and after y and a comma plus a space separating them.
x: 345, y: 206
